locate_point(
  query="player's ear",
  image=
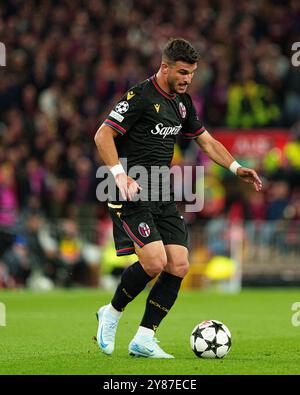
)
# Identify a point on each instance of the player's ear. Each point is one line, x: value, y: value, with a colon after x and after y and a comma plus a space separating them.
x: 164, y: 68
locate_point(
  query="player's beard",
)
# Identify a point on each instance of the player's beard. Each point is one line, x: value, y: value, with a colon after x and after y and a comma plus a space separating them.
x: 173, y: 85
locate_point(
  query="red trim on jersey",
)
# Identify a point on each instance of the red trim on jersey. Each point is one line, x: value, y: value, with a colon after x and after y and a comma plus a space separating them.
x: 195, y: 133
x: 165, y: 94
x: 115, y: 125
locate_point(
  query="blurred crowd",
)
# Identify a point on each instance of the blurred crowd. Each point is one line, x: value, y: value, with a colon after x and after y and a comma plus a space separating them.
x: 68, y: 61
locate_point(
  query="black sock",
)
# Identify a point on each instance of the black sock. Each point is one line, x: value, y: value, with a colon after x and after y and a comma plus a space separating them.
x: 133, y: 281
x: 160, y: 299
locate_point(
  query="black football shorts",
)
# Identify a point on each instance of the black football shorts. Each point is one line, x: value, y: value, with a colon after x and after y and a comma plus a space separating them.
x: 145, y: 222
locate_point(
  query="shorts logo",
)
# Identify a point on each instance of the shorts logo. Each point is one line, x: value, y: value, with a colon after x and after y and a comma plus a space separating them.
x: 122, y: 107
x: 182, y: 110
x: 144, y: 229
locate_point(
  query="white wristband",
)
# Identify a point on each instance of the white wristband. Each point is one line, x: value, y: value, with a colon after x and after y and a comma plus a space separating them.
x: 117, y: 169
x: 234, y: 166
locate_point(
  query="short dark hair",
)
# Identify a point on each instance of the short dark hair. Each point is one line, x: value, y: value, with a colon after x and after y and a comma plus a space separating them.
x: 179, y: 49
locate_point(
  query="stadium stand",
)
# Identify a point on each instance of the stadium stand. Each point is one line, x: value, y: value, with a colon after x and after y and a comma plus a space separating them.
x: 69, y: 60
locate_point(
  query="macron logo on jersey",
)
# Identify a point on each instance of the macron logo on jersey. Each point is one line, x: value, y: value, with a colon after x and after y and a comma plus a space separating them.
x: 166, y: 130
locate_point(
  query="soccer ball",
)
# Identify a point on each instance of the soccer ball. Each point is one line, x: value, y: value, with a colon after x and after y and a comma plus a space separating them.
x: 210, y: 339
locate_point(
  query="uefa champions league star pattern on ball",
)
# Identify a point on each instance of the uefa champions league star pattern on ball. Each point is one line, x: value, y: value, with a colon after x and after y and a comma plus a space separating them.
x: 210, y: 339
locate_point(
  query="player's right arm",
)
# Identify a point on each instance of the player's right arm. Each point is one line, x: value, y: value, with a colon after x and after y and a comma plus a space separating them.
x: 105, y: 143
x: 119, y: 122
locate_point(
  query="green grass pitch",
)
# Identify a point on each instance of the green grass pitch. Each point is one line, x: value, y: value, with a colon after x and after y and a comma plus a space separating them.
x: 52, y: 333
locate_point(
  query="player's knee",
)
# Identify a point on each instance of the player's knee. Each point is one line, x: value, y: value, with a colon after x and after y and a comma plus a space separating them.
x: 181, y: 269
x: 155, y: 265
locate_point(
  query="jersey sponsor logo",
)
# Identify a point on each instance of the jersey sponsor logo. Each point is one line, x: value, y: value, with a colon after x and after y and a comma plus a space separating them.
x: 157, y: 107
x: 122, y: 107
x: 116, y: 116
x: 182, y: 110
x: 130, y: 95
x: 166, y: 130
x: 144, y: 229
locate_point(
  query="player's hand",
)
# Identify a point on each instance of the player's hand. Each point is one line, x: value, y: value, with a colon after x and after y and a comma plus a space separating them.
x: 127, y: 186
x: 250, y: 176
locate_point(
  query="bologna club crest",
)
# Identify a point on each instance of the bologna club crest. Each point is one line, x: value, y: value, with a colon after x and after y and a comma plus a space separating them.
x: 144, y: 229
x: 182, y: 110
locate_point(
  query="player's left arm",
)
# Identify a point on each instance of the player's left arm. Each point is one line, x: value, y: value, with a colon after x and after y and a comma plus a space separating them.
x: 219, y: 154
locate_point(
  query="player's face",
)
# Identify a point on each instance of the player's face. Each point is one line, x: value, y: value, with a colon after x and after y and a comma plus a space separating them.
x: 180, y: 76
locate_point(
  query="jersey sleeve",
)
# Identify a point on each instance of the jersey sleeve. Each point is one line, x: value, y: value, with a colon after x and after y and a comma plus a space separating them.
x: 126, y: 112
x: 192, y: 127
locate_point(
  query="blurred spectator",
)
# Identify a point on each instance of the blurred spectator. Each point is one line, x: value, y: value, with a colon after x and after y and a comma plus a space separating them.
x: 256, y: 206
x: 69, y: 257
x: 289, y: 237
x: 217, y: 232
x: 292, y: 210
x: 251, y: 104
x: 292, y: 96
x: 31, y: 223
x: 83, y: 188
x: 4, y: 277
x: 291, y: 157
x: 17, y: 261
x: 255, y: 218
x: 8, y: 195
x: 278, y: 200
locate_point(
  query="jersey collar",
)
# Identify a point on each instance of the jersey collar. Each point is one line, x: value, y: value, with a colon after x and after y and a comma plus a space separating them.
x: 161, y: 91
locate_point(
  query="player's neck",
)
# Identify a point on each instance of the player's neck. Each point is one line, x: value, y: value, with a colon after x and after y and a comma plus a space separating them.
x: 162, y: 82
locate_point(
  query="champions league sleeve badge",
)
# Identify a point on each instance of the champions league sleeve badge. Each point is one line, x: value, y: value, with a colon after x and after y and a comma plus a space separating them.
x: 122, y: 107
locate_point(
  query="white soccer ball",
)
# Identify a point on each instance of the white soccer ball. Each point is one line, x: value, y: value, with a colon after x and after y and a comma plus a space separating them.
x: 210, y: 339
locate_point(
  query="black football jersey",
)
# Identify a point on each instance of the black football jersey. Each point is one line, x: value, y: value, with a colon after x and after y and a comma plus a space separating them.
x: 148, y: 120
